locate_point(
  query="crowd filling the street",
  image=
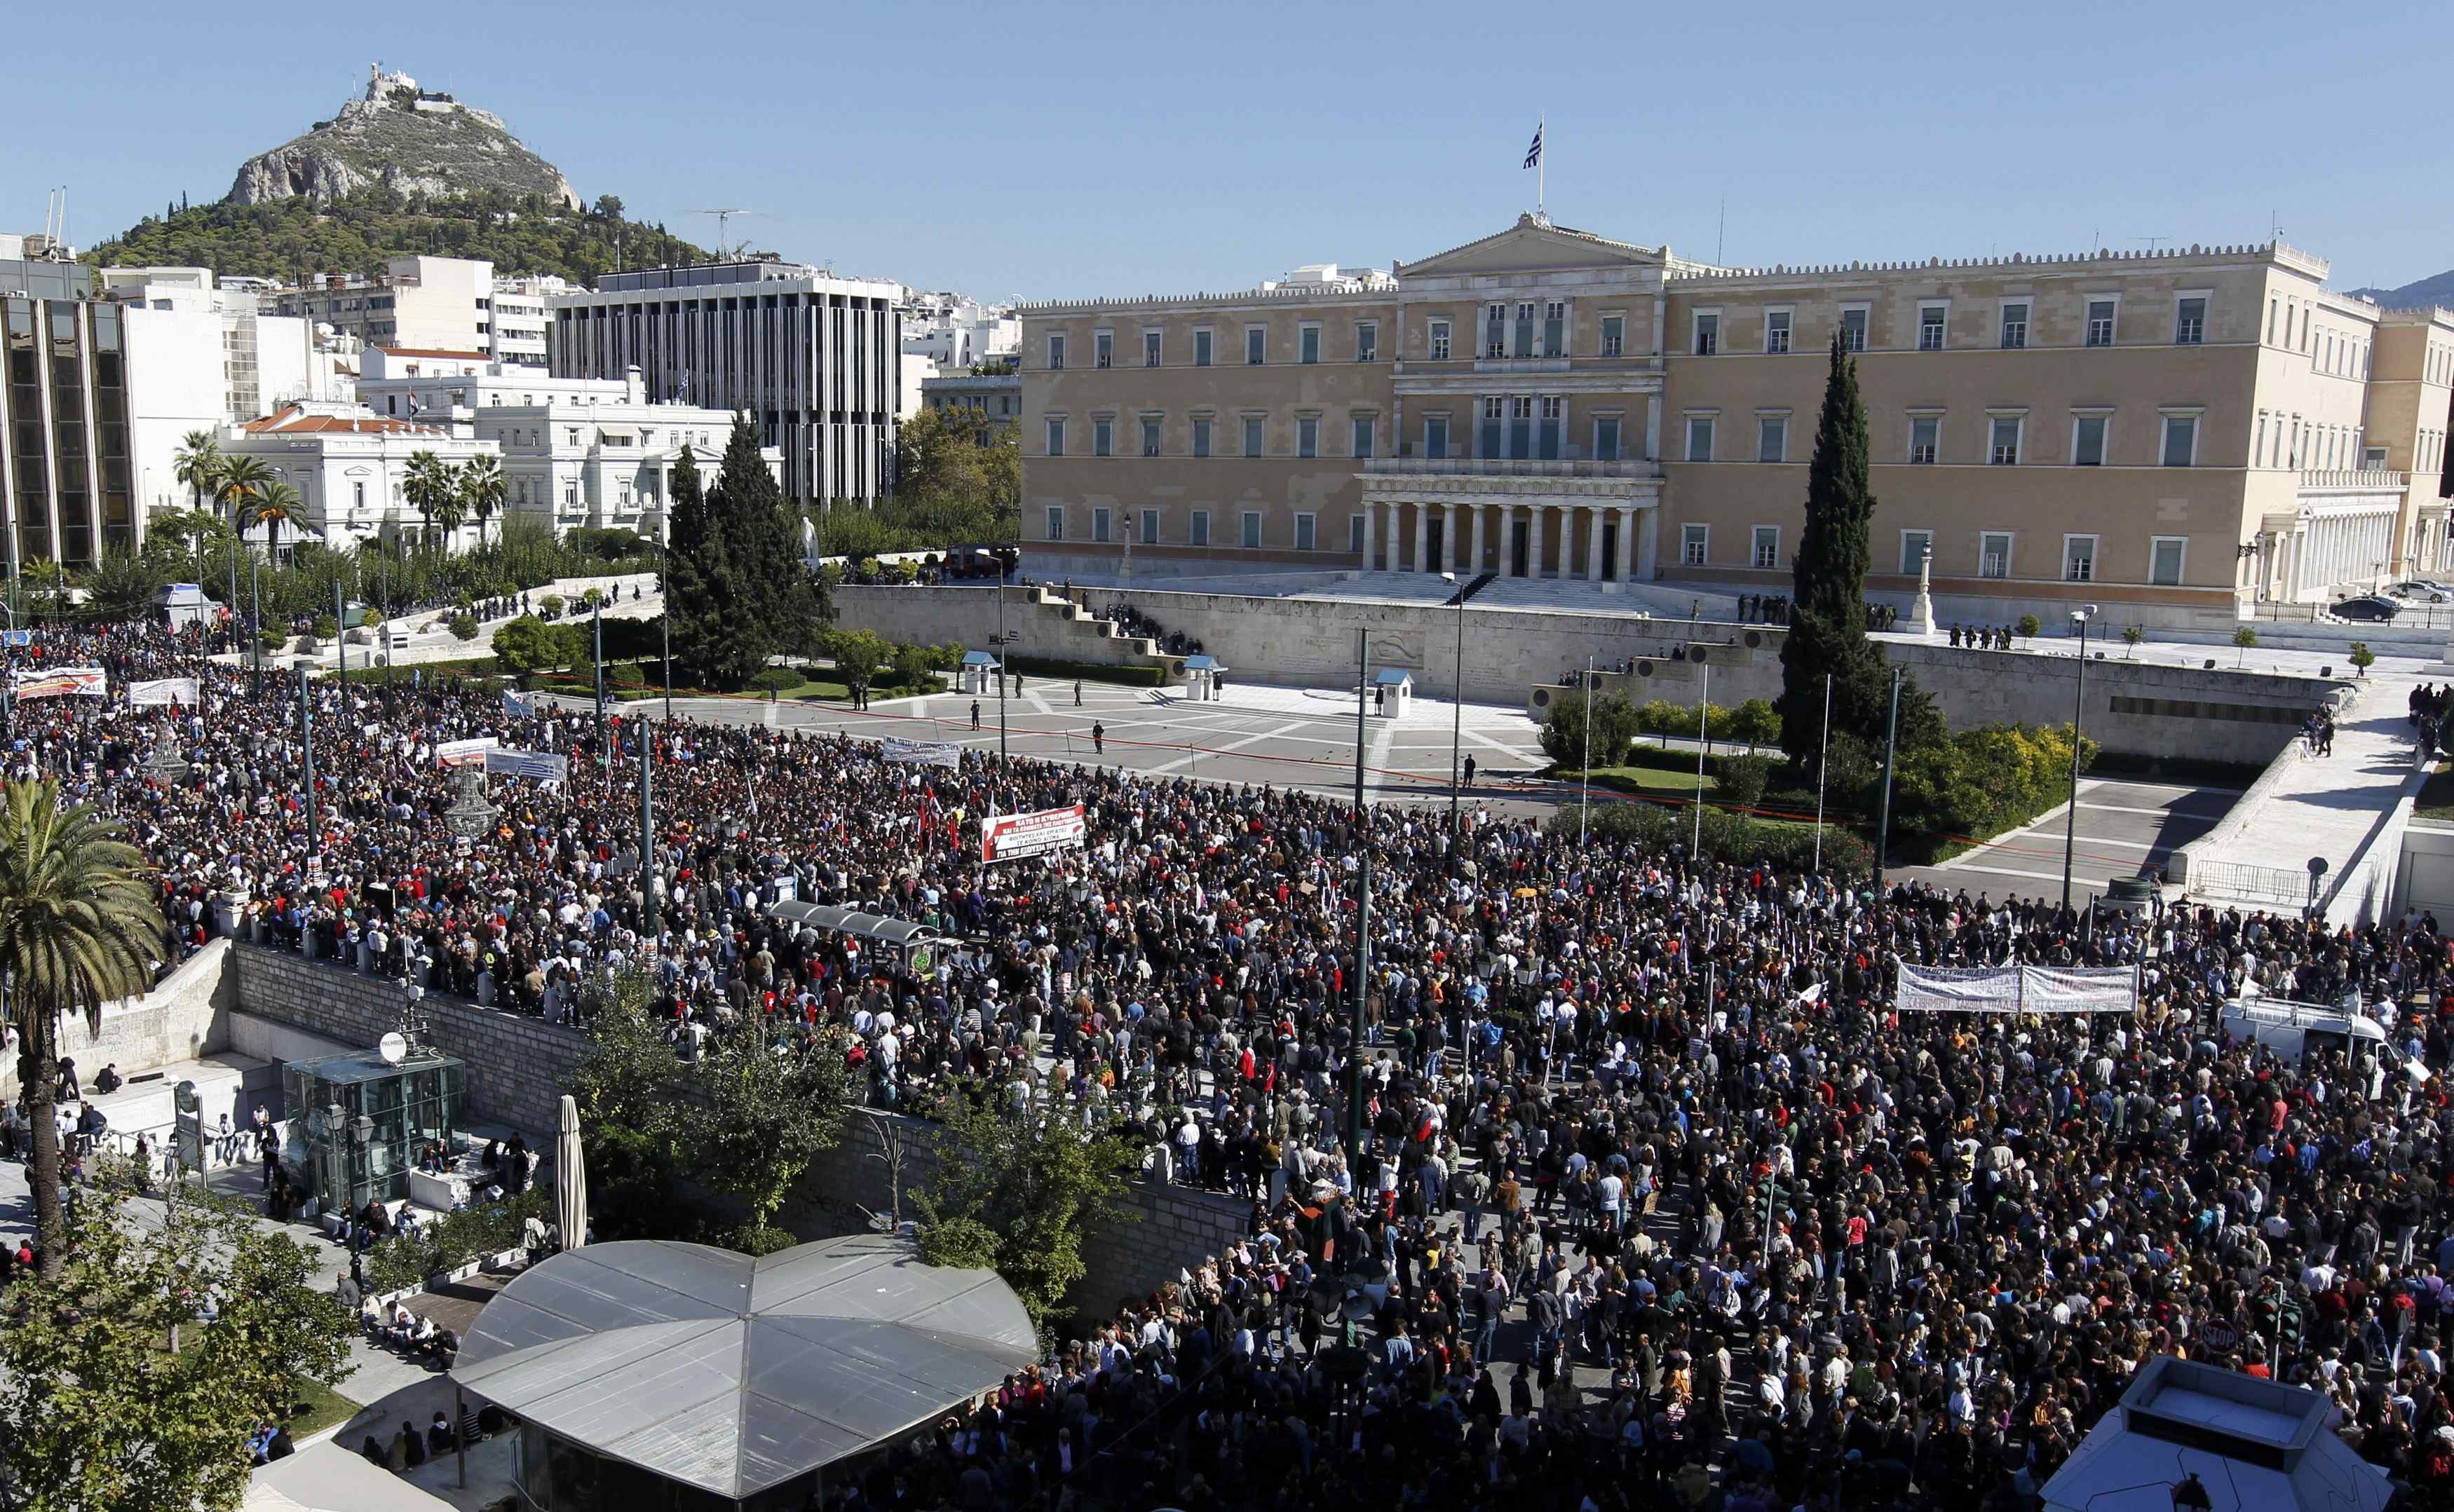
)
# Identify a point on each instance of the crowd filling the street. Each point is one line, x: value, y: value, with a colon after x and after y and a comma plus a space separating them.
x: 1621, y: 1177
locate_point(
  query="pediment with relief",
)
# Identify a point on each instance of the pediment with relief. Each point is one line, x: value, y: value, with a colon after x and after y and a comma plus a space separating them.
x: 1532, y: 246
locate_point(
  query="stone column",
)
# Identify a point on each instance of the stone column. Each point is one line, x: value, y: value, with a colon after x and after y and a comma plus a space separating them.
x: 1371, y: 528
x: 1534, y: 540
x: 1626, y: 544
x: 1451, y: 546
x: 1422, y: 537
x: 1593, y: 544
x: 1475, y: 564
x: 1648, y: 547
x: 1389, y: 541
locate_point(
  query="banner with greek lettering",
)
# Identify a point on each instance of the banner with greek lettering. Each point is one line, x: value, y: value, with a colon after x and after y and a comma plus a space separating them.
x: 1011, y: 837
x: 180, y: 691
x: 63, y: 682
x: 535, y: 766
x: 464, y: 753
x: 2016, y: 989
x: 921, y: 754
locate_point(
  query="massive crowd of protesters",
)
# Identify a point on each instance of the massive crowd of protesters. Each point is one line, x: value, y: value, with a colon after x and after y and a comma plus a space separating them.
x: 1654, y: 1192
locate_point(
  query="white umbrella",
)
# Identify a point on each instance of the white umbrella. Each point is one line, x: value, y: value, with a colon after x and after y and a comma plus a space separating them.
x: 570, y: 1179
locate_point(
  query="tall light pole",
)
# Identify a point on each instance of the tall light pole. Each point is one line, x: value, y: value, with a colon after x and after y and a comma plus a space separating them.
x: 1585, y: 762
x: 306, y: 751
x: 1000, y: 674
x: 1362, y: 919
x: 646, y: 835
x: 1891, y: 754
x: 1456, y: 701
x: 1703, y: 741
x: 596, y: 628
x: 2070, y: 817
x: 664, y: 616
x: 1822, y: 766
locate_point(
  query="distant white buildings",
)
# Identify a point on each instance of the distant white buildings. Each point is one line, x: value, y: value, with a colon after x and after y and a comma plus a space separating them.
x: 957, y: 333
x: 349, y: 468
x: 438, y: 304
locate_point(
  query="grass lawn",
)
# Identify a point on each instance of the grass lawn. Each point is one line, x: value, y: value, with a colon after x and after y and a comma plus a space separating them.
x: 2436, y: 799
x: 319, y: 1407
x: 1637, y: 779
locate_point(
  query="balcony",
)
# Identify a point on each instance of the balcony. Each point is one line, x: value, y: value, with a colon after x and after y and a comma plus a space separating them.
x: 2364, y: 481
x: 1509, y: 467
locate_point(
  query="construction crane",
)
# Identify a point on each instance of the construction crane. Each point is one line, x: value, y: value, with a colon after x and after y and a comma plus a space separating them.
x: 724, y: 214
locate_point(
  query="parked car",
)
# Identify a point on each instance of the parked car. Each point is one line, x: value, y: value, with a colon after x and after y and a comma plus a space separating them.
x: 2367, y: 607
x: 2418, y: 592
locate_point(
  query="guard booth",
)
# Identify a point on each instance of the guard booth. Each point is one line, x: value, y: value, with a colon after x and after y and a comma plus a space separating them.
x: 912, y: 946
x: 1205, y: 677
x: 1392, y: 692
x: 979, y: 673
x: 182, y: 605
x: 357, y: 1121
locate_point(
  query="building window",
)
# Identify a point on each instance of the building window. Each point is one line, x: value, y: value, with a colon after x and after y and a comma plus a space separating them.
x: 1367, y: 340
x: 1492, y: 413
x: 1252, y: 529
x: 1772, y: 439
x: 1994, y: 554
x: 1930, y: 327
x: 1055, y: 353
x: 1435, y: 436
x: 2180, y: 440
x: 1201, y: 438
x: 1775, y: 331
x: 2087, y: 441
x: 1524, y: 347
x: 2272, y: 305
x: 1520, y: 428
x: 1199, y: 532
x: 1695, y: 542
x: 1306, y: 529
x: 2099, y: 322
x: 1852, y: 329
x: 1495, y: 331
x: 2164, y: 557
x: 1699, y: 438
x: 1308, y: 437
x: 1308, y: 345
x: 1100, y: 526
x: 1614, y: 335
x: 1201, y: 347
x: 2015, y: 325
x: 1926, y: 439
x: 2006, y: 452
x: 1254, y: 346
x: 1104, y: 349
x: 1252, y: 435
x: 1056, y: 438
x: 1362, y: 437
x: 1767, y: 547
x: 1555, y: 328
x: 1103, y: 437
x: 1914, y: 546
x: 1708, y: 334
x: 2190, y: 322
x: 1150, y: 527
x: 1149, y: 348
x: 1150, y: 435
x: 2078, y: 559
x: 1056, y: 522
x: 1355, y: 534
x: 1551, y: 439
x: 1440, y: 341
x: 1607, y: 440
x: 358, y: 494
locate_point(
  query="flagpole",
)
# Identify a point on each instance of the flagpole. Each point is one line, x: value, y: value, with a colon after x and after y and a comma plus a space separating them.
x: 1542, y: 170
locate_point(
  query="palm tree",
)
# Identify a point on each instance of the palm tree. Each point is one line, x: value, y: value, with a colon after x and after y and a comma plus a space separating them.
x: 428, y: 485
x: 198, y: 463
x: 274, y: 505
x: 78, y: 929
x: 482, y: 489
x: 238, y: 481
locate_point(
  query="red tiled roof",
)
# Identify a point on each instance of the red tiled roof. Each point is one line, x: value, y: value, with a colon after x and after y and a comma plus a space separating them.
x: 427, y: 351
x: 291, y: 420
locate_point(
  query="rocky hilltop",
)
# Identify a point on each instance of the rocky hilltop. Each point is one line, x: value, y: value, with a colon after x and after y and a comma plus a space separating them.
x: 409, y: 140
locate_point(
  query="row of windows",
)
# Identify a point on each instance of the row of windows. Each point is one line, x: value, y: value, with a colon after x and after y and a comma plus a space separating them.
x: 2014, y: 318
x: 2167, y: 555
x: 1205, y: 349
x: 2285, y: 440
x: 2005, y: 435
x: 2329, y: 350
x: 1146, y: 528
x: 1525, y: 330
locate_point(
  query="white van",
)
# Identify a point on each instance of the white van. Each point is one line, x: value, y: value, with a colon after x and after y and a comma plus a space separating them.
x: 2293, y: 1029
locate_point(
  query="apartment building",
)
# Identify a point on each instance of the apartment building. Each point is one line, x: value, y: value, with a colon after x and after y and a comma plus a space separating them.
x: 814, y: 358
x: 441, y: 302
x: 2182, y: 432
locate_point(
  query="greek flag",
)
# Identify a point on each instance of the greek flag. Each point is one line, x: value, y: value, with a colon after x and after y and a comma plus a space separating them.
x: 519, y: 706
x: 1534, y: 153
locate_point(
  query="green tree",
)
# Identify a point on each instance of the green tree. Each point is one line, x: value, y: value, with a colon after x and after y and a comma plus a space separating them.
x: 697, y: 581
x: 2246, y: 638
x: 274, y: 505
x: 117, y: 1394
x: 240, y: 483
x: 858, y: 656
x: 1827, y: 620
x: 2362, y: 657
x: 197, y: 464
x: 430, y: 487
x: 788, y: 606
x: 1023, y: 1172
x: 78, y: 929
x: 2131, y: 636
x: 122, y: 584
x: 529, y: 644
x: 187, y: 540
x: 1614, y: 719
x: 482, y: 489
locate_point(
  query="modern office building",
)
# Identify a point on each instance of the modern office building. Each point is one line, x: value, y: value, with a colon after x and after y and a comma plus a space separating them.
x: 2181, y: 433
x: 66, y: 478
x: 594, y: 452
x: 814, y: 358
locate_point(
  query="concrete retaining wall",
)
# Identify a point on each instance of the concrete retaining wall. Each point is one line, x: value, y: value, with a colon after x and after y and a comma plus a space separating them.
x: 187, y: 1016
x: 1043, y: 623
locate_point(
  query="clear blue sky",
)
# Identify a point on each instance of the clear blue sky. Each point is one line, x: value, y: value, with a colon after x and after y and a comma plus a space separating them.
x: 1058, y: 148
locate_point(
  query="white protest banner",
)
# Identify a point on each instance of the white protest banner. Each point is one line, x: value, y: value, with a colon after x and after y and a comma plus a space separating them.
x: 181, y: 690
x: 464, y: 753
x: 536, y: 766
x: 519, y: 706
x: 2016, y: 989
x: 921, y: 754
x: 63, y: 682
x: 1011, y: 837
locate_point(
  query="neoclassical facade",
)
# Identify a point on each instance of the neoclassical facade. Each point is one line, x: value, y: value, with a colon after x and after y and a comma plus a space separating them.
x: 2184, y: 431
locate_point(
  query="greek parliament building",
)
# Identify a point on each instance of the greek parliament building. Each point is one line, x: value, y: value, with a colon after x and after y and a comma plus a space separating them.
x: 2184, y: 430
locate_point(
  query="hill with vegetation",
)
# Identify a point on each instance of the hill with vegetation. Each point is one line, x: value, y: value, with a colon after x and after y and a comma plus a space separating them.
x: 2438, y: 288
x: 296, y: 237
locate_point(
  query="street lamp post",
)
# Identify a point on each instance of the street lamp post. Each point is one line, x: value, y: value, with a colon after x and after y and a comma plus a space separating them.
x: 255, y: 623
x: 1000, y: 674
x: 1457, y: 706
x: 1362, y: 920
x: 596, y: 628
x: 664, y: 616
x: 306, y: 751
x: 2070, y: 817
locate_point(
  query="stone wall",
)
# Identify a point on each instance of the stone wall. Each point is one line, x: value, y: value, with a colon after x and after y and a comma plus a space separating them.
x: 1043, y: 623
x: 185, y: 1017
x: 518, y: 1066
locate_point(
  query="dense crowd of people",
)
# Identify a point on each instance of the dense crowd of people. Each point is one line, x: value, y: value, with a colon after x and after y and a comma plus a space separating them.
x: 1647, y: 1189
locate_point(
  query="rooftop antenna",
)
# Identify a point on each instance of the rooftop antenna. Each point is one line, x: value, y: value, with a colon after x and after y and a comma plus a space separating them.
x: 2151, y: 242
x: 1721, y: 232
x: 724, y: 214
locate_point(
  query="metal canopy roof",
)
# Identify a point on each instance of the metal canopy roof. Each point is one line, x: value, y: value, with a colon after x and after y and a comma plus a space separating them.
x: 1204, y: 664
x: 2253, y: 1446
x: 849, y: 921
x: 733, y: 1374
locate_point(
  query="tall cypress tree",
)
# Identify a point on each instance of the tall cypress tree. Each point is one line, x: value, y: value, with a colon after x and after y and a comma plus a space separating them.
x: 771, y: 604
x: 698, y: 583
x: 1827, y: 618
